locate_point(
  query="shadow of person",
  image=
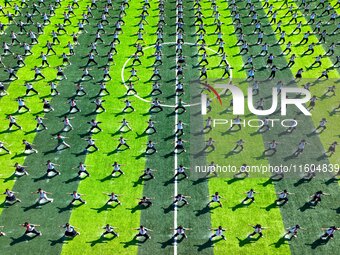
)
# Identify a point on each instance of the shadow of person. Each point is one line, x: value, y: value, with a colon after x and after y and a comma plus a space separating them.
x: 101, y: 239
x: 208, y: 244
x: 167, y: 243
x: 279, y: 242
x: 133, y: 242
x: 318, y: 242
x: 60, y: 241
x: 23, y: 238
x: 247, y: 240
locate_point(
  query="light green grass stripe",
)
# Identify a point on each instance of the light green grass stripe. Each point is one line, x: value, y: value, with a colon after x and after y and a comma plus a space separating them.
x: 327, y: 104
x: 8, y: 105
x: 91, y: 218
x: 238, y: 220
x: 333, y: 3
x: 10, y: 9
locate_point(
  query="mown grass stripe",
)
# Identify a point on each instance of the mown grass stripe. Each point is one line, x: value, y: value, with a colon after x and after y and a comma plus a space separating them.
x: 335, y: 3
x: 124, y: 217
x: 326, y: 103
x: 160, y: 216
x: 236, y: 220
x: 189, y: 216
x: 296, y: 212
x: 17, y: 89
x: 8, y: 8
x: 10, y: 60
x: 48, y: 213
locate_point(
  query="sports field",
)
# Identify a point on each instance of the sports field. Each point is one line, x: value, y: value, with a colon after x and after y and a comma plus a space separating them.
x: 160, y: 49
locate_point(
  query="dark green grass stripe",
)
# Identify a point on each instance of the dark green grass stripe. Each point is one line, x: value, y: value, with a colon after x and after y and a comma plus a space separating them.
x: 191, y: 216
x: 233, y: 216
x: 159, y: 217
x: 327, y: 102
x: 10, y: 60
x: 297, y: 212
x: 8, y: 104
x: 127, y: 215
x: 52, y: 215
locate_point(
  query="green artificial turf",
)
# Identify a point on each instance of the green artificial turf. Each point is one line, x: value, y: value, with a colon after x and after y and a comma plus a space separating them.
x: 90, y: 218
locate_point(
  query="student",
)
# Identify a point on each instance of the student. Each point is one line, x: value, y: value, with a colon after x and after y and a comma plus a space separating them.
x: 180, y: 106
x: 179, y: 146
x: 116, y: 168
x: 316, y: 198
x: 216, y: 198
x: 181, y: 198
x: 239, y: 144
x: 43, y: 196
x: 151, y: 125
x: 293, y: 231
x: 150, y: 148
x: 109, y: 230
x: 145, y: 201
x: 20, y: 170
x: 94, y: 125
x: 102, y: 89
x: 218, y: 232
x: 155, y: 104
x: 125, y: 123
x: 29, y: 88
x: 76, y: 197
x: 143, y: 232
x: 31, y: 229
x: 148, y: 172
x: 301, y: 147
x: 257, y: 230
x: 331, y: 149
x: 61, y: 141
x: 2, y: 147
x: 51, y: 167
x: 250, y: 196
x: 128, y: 105
x: 47, y: 106
x: 122, y: 142
x: 22, y: 104
x: 99, y: 104
x: 329, y: 232
x: 271, y: 147
x: 82, y: 170
x: 112, y: 198
x: 283, y: 197
x: 90, y: 143
x: 11, y: 197
x: 180, y: 231
x: 28, y: 147
x: 209, y: 144
x: 236, y: 122
x: 67, y: 124
x: 243, y: 173
x: 12, y: 122
x: 70, y: 231
x: 181, y: 171
x: 37, y: 73
x: 73, y: 106
x: 322, y: 126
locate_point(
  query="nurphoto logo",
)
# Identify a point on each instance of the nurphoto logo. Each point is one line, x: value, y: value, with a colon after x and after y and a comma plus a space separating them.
x: 239, y: 100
